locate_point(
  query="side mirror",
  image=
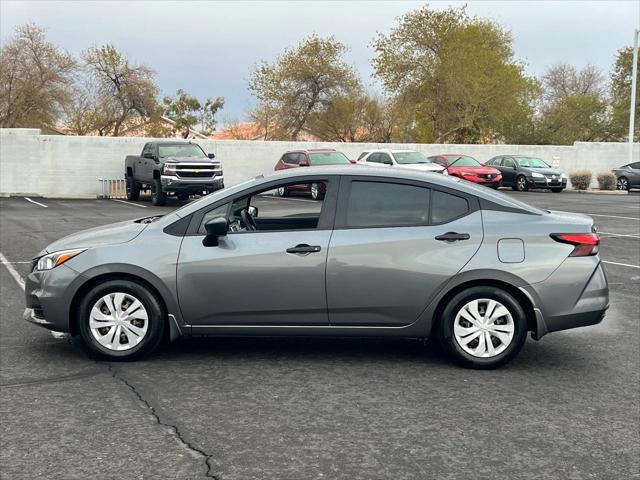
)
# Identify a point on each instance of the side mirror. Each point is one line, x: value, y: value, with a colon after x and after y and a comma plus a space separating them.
x: 217, y: 227
x: 352, y: 161
x: 149, y: 155
x: 253, y: 211
x: 388, y: 162
x: 514, y: 167
x: 211, y: 155
x: 303, y: 163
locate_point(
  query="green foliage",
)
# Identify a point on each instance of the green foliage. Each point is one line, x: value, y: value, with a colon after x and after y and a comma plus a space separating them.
x: 580, y: 179
x: 36, y: 80
x: 188, y: 112
x: 459, y: 74
x: 575, y: 118
x: 621, y: 96
x: 298, y: 83
x: 606, y: 181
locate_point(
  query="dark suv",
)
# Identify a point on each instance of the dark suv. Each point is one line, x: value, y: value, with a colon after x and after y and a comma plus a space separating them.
x: 309, y: 158
x: 521, y: 173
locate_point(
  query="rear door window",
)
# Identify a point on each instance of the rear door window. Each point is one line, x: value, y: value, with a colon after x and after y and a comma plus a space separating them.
x: 446, y: 207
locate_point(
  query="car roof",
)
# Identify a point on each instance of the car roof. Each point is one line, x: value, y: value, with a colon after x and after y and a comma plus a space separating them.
x: 313, y: 150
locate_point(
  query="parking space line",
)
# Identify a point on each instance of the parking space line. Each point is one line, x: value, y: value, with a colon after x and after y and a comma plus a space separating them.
x: 611, y: 216
x: 129, y: 203
x: 37, y: 203
x: 621, y: 264
x: 628, y: 235
x: 12, y: 271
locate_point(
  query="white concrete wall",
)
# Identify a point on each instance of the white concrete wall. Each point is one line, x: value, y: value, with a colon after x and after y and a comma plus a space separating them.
x: 67, y: 166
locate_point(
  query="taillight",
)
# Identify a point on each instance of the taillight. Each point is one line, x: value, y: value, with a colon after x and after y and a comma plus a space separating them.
x: 585, y: 243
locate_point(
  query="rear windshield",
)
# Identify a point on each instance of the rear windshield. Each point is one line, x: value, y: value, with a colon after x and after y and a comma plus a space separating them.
x: 406, y: 158
x: 180, y: 151
x: 328, y: 158
x: 532, y: 162
x: 463, y: 161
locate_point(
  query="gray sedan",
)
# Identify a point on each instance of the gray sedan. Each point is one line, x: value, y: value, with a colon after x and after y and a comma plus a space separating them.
x: 385, y: 253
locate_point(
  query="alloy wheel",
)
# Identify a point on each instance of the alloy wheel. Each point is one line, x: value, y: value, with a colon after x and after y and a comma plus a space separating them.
x: 484, y: 328
x: 118, y: 321
x: 522, y: 184
x: 315, y: 191
x: 622, y: 183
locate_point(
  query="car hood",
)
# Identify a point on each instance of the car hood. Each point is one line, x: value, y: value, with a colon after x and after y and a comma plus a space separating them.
x: 112, y: 234
x: 474, y: 170
x: 189, y: 160
x: 425, y: 167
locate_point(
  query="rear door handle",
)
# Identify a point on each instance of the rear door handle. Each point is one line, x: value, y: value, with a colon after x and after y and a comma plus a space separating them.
x: 304, y: 249
x: 453, y: 237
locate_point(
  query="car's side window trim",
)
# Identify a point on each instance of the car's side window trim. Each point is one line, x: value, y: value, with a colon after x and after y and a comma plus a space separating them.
x: 345, y: 191
x: 327, y: 213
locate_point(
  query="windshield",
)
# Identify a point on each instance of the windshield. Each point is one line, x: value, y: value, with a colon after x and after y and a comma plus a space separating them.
x: 463, y: 161
x: 189, y: 150
x: 406, y: 158
x: 328, y: 158
x: 532, y: 162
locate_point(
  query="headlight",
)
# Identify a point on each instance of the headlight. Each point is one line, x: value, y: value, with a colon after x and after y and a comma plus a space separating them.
x: 563, y: 176
x: 54, y: 259
x: 169, y: 169
x: 537, y: 175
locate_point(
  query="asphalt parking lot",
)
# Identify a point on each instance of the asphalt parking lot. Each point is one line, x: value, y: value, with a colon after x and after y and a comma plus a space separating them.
x: 566, y: 408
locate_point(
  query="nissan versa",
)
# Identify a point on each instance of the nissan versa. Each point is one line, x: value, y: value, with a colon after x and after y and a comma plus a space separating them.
x: 386, y: 253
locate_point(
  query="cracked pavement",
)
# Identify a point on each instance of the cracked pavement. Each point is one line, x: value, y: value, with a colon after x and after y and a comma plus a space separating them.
x: 308, y: 408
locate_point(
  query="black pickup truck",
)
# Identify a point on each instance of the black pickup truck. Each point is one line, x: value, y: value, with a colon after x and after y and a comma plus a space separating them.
x: 172, y: 168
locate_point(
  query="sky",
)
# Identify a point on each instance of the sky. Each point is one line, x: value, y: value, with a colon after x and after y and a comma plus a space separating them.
x: 210, y: 48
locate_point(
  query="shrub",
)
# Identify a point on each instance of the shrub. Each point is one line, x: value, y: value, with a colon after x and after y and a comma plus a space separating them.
x: 580, y: 179
x: 606, y: 181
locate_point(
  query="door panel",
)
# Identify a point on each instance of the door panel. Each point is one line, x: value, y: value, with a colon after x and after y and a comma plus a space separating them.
x: 250, y: 279
x: 387, y: 276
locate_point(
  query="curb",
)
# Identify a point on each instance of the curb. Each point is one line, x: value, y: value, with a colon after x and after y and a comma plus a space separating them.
x: 600, y: 192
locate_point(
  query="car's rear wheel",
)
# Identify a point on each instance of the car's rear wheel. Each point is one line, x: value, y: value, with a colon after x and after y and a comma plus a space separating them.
x: 133, y: 189
x: 158, y: 197
x: 316, y: 192
x: 120, y: 319
x: 521, y: 184
x: 483, y: 327
x: 622, y: 183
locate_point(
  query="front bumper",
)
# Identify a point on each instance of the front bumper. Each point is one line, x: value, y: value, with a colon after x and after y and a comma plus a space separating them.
x: 546, y: 182
x: 48, y: 297
x: 195, y: 185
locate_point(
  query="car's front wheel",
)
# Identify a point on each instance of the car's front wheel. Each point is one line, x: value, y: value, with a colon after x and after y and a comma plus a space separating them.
x: 521, y: 184
x: 316, y: 192
x: 622, y: 183
x: 483, y: 327
x: 120, y: 319
x: 133, y: 189
x: 158, y: 196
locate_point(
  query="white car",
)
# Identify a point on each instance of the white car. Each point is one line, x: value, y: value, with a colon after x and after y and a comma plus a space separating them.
x: 410, y: 159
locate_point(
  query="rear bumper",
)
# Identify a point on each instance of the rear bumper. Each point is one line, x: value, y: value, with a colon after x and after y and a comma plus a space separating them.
x: 187, y: 185
x: 563, y: 302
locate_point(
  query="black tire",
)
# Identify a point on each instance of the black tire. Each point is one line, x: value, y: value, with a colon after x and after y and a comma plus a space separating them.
x: 155, y: 328
x: 183, y: 196
x: 557, y: 190
x: 448, y: 318
x: 316, y: 193
x: 521, y: 184
x: 623, y: 184
x: 158, y: 196
x: 133, y: 189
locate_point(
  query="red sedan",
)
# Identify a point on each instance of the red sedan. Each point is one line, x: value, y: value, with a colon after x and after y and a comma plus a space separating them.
x: 468, y: 168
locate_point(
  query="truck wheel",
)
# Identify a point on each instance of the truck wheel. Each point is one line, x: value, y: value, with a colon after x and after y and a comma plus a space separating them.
x: 158, y: 197
x: 133, y: 189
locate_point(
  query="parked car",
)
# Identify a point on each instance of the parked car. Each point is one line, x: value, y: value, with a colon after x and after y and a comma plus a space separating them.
x: 628, y: 176
x: 309, y: 158
x: 172, y: 168
x: 522, y: 172
x: 401, y: 159
x: 468, y: 168
x: 388, y: 252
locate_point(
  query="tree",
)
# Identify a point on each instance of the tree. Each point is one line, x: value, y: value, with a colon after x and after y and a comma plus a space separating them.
x: 574, y: 105
x: 125, y: 92
x: 620, y: 80
x: 299, y: 82
x: 36, y: 79
x: 455, y: 74
x: 188, y: 112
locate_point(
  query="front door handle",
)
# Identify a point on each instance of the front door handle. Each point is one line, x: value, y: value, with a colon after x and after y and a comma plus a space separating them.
x: 453, y: 237
x: 304, y: 249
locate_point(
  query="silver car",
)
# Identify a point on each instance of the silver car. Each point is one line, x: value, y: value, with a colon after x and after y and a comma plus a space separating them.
x: 386, y: 253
